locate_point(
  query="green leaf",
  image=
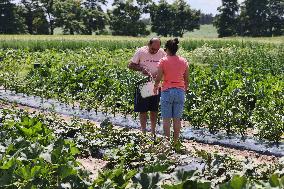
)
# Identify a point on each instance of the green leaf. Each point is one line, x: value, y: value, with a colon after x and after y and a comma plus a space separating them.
x: 24, y: 172
x: 37, y: 128
x: 274, y: 180
x: 26, y: 131
x: 35, y: 170
x: 130, y: 174
x: 8, y: 164
x: 26, y: 121
x: 238, y: 182
x: 148, y: 181
x: 176, y: 186
x: 74, y: 150
x: 182, y: 175
x: 197, y: 184
x: 204, y: 184
x: 282, y: 181
x: 158, y: 167
x: 65, y: 171
x: 6, y: 178
x: 190, y: 184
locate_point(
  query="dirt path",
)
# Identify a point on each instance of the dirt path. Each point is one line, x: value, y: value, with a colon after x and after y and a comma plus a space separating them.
x: 237, y: 154
x: 94, y: 165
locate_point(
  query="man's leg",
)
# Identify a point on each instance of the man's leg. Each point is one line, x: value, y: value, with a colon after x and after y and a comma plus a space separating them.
x: 153, y: 119
x: 140, y: 105
x: 166, y: 125
x: 143, y: 121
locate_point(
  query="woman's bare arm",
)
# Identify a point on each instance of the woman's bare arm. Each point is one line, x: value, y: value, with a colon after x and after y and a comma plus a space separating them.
x: 186, y: 78
x: 158, y: 80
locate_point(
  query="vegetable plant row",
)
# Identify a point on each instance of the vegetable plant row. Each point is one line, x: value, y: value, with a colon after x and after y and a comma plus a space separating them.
x: 41, y: 151
x: 236, y: 89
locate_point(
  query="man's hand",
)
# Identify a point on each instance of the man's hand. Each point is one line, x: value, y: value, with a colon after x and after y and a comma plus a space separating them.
x: 145, y: 72
x: 135, y: 67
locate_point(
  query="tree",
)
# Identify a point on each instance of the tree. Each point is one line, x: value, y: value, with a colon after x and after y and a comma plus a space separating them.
x: 160, y: 18
x: 185, y: 19
x: 47, y: 7
x: 276, y: 17
x: 173, y: 19
x: 125, y: 18
x: 254, y: 17
x: 69, y: 14
x: 227, y: 21
x: 94, y: 18
x: 35, y: 18
x: 206, y: 18
x: 11, y: 21
x: 262, y: 18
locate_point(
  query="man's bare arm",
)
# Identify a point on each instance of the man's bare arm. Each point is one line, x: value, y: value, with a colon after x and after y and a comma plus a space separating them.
x: 158, y: 80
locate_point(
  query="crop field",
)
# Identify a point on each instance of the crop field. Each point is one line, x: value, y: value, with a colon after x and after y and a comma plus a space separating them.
x: 236, y: 87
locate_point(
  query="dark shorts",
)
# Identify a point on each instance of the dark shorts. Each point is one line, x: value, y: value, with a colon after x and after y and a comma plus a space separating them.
x: 145, y: 104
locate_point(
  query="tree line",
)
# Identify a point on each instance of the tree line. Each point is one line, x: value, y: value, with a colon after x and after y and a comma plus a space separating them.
x: 127, y: 17
x: 251, y: 18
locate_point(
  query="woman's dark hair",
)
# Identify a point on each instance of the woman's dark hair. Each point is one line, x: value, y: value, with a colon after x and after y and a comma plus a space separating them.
x: 172, y: 45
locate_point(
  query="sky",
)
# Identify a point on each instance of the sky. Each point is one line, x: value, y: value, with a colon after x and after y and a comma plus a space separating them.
x: 206, y: 6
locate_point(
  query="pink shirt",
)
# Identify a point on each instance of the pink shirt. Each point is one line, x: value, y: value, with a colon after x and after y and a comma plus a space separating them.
x: 173, y: 68
x: 147, y: 60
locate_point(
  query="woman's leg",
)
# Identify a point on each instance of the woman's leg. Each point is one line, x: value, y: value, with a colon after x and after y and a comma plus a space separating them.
x: 166, y: 111
x: 177, y: 126
x: 177, y: 112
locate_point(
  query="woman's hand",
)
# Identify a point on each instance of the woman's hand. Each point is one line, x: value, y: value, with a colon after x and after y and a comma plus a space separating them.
x: 155, y: 90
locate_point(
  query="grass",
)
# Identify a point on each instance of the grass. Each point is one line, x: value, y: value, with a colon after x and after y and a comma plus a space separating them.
x: 42, y: 42
x: 205, y: 31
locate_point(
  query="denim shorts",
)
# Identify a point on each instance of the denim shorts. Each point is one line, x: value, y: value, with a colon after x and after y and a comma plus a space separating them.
x: 172, y: 102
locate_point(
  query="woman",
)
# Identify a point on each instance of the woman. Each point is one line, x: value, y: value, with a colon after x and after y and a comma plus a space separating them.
x: 174, y: 70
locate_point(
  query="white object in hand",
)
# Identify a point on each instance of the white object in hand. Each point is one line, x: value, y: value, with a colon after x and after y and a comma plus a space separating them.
x: 147, y: 89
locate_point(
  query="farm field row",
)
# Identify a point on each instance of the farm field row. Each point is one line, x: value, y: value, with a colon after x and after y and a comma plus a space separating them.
x: 41, y: 151
x: 60, y: 42
x: 234, y: 89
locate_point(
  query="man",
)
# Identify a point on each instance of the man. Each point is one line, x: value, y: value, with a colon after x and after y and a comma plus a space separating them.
x: 146, y: 60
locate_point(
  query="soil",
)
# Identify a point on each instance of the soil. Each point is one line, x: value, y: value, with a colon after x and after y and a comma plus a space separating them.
x: 95, y: 165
